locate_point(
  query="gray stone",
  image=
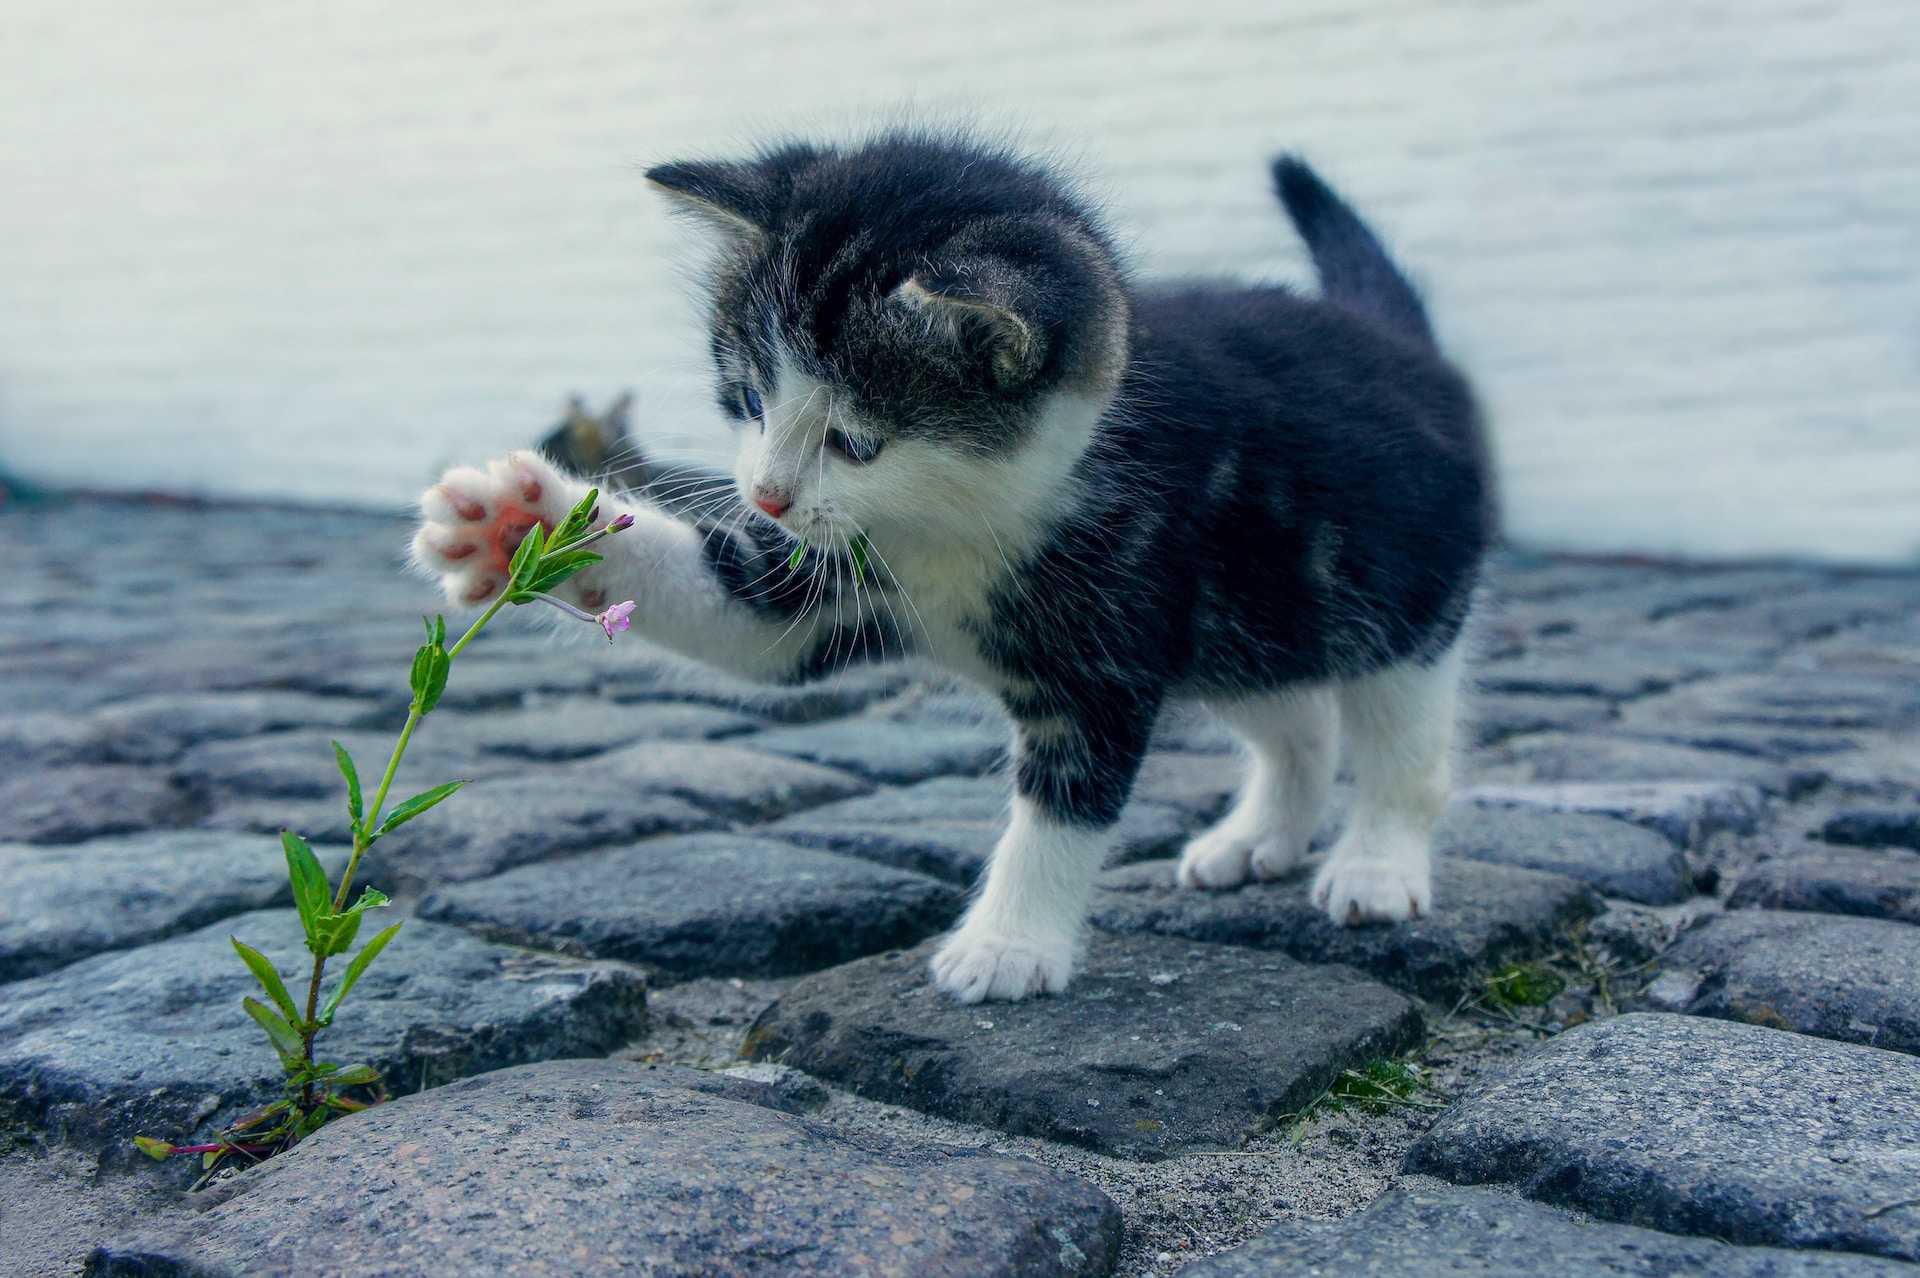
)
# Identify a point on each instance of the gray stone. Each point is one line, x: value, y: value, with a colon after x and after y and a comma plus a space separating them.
x: 155, y: 728
x: 1158, y: 1046
x: 663, y: 678
x: 946, y: 827
x: 1495, y: 717
x: 64, y: 902
x: 1485, y: 915
x: 1854, y: 979
x: 556, y: 730
x: 1200, y: 784
x: 1810, y: 701
x: 47, y: 739
x: 1478, y: 1233
x: 153, y: 1041
x: 726, y: 780
x: 1618, y: 858
x: 1883, y: 884
x: 1583, y: 673
x: 709, y: 905
x: 893, y: 752
x: 1875, y: 828
x: 1687, y: 812
x: 87, y: 801
x: 496, y: 825
x: 1555, y: 757
x: 300, y: 764
x: 601, y: 1166
x: 1696, y: 1126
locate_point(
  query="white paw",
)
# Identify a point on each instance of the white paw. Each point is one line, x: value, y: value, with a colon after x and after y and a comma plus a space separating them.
x: 1357, y: 888
x: 1226, y: 857
x: 473, y: 520
x: 975, y: 965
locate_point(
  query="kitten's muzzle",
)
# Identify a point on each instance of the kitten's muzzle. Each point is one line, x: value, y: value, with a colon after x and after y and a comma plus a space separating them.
x: 772, y: 500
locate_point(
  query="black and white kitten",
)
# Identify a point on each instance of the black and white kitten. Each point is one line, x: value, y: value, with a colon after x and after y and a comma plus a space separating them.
x: 1090, y: 497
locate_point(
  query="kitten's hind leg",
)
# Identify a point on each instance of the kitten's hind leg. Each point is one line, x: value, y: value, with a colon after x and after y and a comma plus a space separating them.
x: 1294, y: 740
x: 1400, y: 730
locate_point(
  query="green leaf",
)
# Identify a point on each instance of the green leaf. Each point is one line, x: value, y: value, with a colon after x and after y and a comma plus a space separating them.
x: 574, y: 526
x: 310, y: 894
x: 337, y: 932
x: 556, y: 568
x: 532, y: 546
x: 347, y: 770
x: 428, y: 678
x: 416, y: 805
x: 367, y: 954
x: 286, y: 1039
x: 439, y: 636
x: 270, y: 981
x: 354, y: 1075
x: 799, y: 553
x: 858, y: 548
x: 158, y: 1150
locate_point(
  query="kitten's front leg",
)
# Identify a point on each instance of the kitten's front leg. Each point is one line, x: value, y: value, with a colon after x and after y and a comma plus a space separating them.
x: 1022, y: 933
x: 720, y: 596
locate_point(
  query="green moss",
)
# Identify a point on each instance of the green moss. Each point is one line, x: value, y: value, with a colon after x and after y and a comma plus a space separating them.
x: 1523, y: 985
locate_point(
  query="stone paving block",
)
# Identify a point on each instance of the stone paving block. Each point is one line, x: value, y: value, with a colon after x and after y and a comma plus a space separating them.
x: 65, y: 902
x: 1485, y: 915
x: 1202, y: 784
x: 595, y: 1166
x: 1494, y: 717
x: 153, y: 1041
x: 1618, y: 858
x: 47, y: 739
x: 558, y: 729
x: 72, y: 802
x: 1478, y: 1233
x: 1809, y: 701
x: 1875, y: 828
x: 663, y: 678
x: 1872, y: 883
x: 1853, y: 979
x: 1594, y: 759
x: 300, y: 765
x: 947, y: 826
x: 156, y: 728
x: 1688, y: 813
x: 1158, y: 1046
x: 893, y: 752
x: 708, y: 905
x: 1755, y: 1136
x: 498, y: 824
x: 1581, y: 673
x: 729, y: 781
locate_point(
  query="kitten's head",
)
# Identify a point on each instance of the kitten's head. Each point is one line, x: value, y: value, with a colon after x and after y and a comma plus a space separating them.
x: 915, y: 334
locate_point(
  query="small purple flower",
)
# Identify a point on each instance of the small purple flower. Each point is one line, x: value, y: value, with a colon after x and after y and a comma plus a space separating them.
x: 622, y: 522
x: 614, y: 619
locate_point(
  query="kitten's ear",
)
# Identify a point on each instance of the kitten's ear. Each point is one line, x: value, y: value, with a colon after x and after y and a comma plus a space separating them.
x: 732, y: 198
x: 741, y: 199
x: 976, y: 304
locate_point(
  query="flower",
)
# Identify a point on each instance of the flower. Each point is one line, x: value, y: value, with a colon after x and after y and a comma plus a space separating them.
x: 614, y: 619
x: 620, y: 524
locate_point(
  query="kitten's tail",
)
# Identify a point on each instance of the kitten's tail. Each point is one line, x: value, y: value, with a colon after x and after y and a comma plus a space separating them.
x: 1355, y: 271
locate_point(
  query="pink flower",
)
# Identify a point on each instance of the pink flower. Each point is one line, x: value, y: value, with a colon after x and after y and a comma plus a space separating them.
x: 614, y: 619
x: 623, y: 522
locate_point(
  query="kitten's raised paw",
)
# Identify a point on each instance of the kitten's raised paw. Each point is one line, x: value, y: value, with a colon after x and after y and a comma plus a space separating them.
x: 976, y: 965
x: 1361, y: 889
x: 473, y: 520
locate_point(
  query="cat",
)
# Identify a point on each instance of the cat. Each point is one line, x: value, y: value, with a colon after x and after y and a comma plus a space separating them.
x: 965, y: 433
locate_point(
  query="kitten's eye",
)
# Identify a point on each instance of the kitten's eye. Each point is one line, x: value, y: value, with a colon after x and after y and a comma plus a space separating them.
x: 750, y: 405
x: 859, y: 451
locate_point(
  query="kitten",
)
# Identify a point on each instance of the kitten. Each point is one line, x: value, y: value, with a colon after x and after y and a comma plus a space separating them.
x: 965, y: 433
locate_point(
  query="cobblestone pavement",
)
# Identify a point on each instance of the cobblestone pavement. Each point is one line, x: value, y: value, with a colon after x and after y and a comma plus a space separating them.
x: 662, y: 1006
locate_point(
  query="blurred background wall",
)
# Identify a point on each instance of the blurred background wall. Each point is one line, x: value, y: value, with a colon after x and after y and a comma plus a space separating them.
x: 318, y: 250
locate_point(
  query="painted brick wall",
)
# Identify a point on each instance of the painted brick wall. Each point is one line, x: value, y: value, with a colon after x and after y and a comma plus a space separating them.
x: 319, y: 250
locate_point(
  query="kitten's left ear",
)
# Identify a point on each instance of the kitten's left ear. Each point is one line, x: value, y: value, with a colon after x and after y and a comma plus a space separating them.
x: 729, y: 197
x: 976, y: 303
x: 740, y: 198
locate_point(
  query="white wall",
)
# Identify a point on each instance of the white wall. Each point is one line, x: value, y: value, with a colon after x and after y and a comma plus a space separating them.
x: 320, y: 249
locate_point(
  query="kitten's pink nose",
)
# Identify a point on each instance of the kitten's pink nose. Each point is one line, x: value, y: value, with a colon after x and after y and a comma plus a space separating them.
x: 771, y: 500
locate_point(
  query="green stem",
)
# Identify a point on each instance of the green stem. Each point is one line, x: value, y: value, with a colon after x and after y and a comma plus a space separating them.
x: 311, y: 1028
